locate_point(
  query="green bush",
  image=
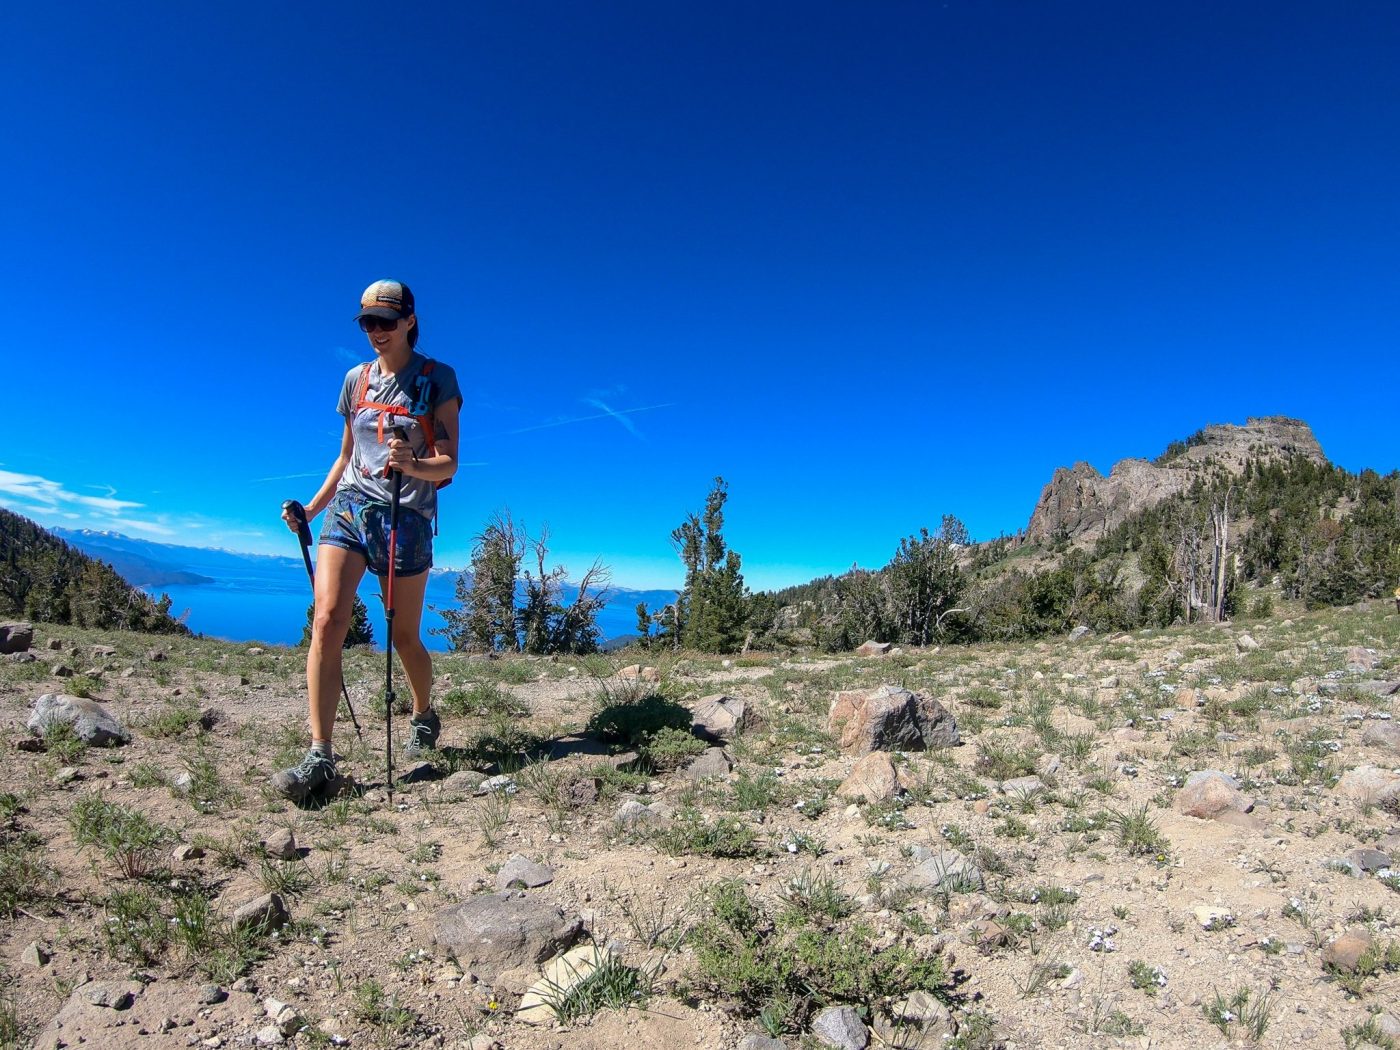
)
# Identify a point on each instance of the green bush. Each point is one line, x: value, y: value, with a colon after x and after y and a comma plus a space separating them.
x: 782, y: 972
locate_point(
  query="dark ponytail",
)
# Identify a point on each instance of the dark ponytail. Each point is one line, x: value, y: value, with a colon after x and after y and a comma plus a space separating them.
x: 408, y: 301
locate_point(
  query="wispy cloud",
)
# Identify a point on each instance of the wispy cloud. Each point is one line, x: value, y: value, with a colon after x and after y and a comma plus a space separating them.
x: 51, y: 495
x: 609, y: 414
x: 626, y: 423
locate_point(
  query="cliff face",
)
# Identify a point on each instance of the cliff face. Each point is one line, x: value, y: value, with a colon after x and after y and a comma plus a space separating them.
x: 1083, y: 504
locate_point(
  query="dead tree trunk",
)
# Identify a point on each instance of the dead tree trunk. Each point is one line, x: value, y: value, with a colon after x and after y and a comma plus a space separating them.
x: 1220, y: 526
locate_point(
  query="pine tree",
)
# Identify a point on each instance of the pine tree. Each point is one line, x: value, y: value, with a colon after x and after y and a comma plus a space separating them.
x: 711, y: 612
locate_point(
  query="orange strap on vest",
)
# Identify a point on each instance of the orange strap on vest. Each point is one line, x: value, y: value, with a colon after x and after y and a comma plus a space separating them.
x: 425, y: 422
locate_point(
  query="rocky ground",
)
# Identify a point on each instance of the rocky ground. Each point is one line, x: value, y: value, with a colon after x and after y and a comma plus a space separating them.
x: 1178, y: 838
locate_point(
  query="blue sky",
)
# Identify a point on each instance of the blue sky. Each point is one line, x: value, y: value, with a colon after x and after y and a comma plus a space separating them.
x: 870, y: 262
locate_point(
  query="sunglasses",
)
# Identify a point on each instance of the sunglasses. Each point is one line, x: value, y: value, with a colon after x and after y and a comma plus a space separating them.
x: 379, y: 324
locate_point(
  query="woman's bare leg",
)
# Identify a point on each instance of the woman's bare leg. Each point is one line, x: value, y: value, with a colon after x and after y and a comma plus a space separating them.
x: 408, y: 641
x: 338, y: 574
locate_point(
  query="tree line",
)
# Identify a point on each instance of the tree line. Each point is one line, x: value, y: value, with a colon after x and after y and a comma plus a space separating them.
x: 43, y: 578
x: 1315, y: 532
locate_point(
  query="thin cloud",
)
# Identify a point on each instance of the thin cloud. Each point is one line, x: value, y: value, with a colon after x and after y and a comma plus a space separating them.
x: 626, y: 423
x: 611, y: 414
x: 51, y: 495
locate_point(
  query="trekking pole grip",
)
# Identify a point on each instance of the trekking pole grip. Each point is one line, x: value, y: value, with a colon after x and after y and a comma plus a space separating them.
x: 303, y: 526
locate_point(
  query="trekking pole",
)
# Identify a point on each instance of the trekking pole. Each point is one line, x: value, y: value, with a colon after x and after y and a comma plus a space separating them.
x: 397, y: 476
x: 304, y: 534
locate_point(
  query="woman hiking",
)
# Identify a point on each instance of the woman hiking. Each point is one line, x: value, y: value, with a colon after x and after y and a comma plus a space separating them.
x: 398, y: 388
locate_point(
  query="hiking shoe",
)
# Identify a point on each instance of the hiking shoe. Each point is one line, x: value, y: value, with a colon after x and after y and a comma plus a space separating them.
x: 314, y: 773
x: 423, y: 733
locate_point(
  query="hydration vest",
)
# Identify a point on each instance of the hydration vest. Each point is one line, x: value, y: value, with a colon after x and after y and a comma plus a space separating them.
x: 421, y: 410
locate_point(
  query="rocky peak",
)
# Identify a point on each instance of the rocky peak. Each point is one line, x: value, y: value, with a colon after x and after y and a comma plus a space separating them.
x: 1083, y: 504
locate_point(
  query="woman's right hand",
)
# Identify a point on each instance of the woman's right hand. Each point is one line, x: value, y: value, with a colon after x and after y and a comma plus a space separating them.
x: 289, y: 516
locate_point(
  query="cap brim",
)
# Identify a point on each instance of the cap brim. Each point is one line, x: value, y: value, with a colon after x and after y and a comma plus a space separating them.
x: 380, y: 311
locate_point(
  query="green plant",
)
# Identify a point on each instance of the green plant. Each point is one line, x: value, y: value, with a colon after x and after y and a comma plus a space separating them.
x: 690, y: 832
x: 372, y: 1005
x: 173, y: 718
x: 482, y: 698
x: 62, y: 742
x: 669, y: 748
x: 1244, y: 1008
x: 1145, y: 977
x: 607, y: 983
x: 1138, y: 834
x: 125, y: 836
x: 816, y: 894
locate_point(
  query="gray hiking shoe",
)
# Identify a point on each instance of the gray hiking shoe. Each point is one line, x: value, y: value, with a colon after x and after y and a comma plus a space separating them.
x: 423, y: 733
x: 314, y: 773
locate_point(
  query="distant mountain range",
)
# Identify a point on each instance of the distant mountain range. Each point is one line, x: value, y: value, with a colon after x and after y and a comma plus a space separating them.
x: 203, y: 580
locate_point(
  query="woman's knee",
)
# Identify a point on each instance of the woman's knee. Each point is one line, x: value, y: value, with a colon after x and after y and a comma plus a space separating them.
x: 407, y: 637
x: 332, y: 620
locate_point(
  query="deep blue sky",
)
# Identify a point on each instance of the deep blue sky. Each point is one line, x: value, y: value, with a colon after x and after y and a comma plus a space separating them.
x: 872, y: 262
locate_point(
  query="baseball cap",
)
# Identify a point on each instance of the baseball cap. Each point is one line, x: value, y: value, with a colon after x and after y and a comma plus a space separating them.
x: 386, y: 299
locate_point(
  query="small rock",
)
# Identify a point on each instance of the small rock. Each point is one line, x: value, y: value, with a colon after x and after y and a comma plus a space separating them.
x: 211, y: 995
x: 719, y: 718
x: 873, y: 648
x: 462, y: 782
x: 186, y: 851
x: 30, y: 744
x: 494, y: 932
x: 840, y: 1027
x: 281, y: 845
x: 501, y: 782
x: 518, y: 871
x: 1212, y: 918
x: 270, y: 1036
x: 754, y: 1041
x: 1346, y: 951
x: 36, y: 956
x: 114, y: 995
x: 712, y: 762
x: 1368, y: 859
x: 53, y: 645
x: 282, y: 1015
x: 1382, y: 734
x: 1079, y: 632
x: 1209, y: 793
x: 559, y: 977
x: 1369, y: 785
x: 1246, y: 644
x: 873, y: 779
x: 632, y: 813
x: 66, y: 775
x: 268, y: 910
x: 946, y: 870
x: 1023, y: 786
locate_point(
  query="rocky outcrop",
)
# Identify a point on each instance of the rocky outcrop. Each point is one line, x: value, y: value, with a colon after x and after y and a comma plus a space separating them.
x: 890, y: 718
x: 1079, y: 502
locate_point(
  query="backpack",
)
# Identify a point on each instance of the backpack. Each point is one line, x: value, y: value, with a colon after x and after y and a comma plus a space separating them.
x: 421, y: 410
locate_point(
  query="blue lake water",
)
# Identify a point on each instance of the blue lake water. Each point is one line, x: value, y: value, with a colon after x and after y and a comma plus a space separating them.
x: 270, y: 607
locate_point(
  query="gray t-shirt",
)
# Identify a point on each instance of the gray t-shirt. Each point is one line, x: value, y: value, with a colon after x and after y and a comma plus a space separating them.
x: 365, y: 473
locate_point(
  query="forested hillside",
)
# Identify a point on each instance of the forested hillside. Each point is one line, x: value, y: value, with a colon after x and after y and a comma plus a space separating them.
x: 44, y: 579
x: 1217, y: 549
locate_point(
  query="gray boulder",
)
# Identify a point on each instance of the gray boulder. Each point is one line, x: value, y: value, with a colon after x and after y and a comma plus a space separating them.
x: 495, y: 932
x: 713, y: 762
x: 890, y: 718
x: 720, y: 718
x: 841, y: 1027
x: 16, y: 637
x: 522, y: 872
x: 946, y: 871
x: 90, y: 721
